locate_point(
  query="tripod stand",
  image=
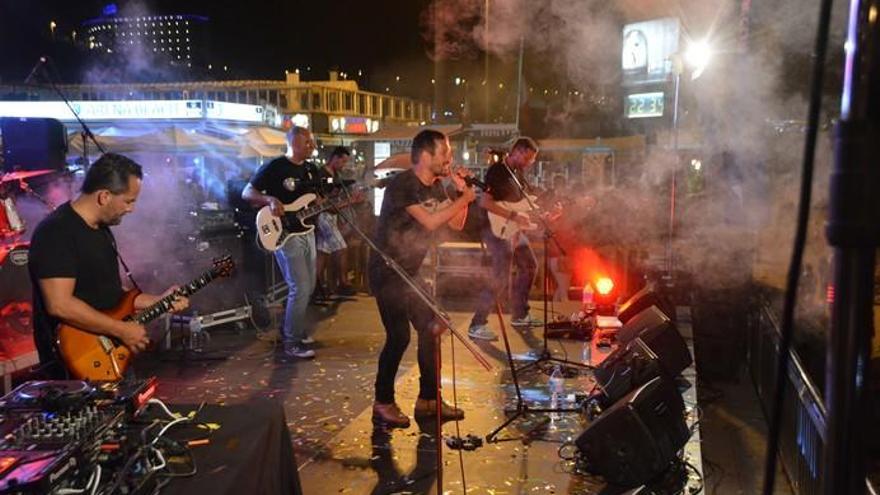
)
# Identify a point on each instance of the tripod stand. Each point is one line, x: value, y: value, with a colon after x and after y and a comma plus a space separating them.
x: 522, y: 408
x: 547, y: 236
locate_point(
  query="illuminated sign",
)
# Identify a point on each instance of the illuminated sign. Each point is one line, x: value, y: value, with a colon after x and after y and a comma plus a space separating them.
x: 353, y: 125
x: 647, y: 49
x: 133, y: 110
x: 642, y: 105
x: 233, y: 111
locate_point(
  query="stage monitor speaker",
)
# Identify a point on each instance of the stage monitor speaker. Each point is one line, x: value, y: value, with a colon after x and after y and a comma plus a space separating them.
x: 643, y: 299
x: 637, y: 439
x: 657, y: 350
x: 650, y: 317
x: 33, y: 143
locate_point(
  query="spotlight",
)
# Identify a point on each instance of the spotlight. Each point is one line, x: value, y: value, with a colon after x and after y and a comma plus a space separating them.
x: 605, y: 296
x: 604, y: 285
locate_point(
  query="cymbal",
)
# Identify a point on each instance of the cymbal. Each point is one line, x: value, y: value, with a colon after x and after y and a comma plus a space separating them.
x: 11, y: 176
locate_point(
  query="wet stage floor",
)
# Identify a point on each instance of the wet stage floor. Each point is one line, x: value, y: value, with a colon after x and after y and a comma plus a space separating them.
x: 328, y: 406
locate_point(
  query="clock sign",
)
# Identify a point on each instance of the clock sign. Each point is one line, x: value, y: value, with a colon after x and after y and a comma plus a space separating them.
x: 635, y: 51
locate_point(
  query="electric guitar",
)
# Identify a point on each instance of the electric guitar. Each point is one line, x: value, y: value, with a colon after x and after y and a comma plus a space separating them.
x: 273, y: 232
x: 90, y: 356
x: 506, y: 228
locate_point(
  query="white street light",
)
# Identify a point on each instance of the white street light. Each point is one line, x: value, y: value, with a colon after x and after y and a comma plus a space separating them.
x: 697, y: 56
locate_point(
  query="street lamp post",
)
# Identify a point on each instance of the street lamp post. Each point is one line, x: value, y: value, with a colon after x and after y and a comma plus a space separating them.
x: 696, y: 58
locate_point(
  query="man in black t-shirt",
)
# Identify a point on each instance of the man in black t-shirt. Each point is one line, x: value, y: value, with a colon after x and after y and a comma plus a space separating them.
x: 275, y: 184
x: 414, y: 205
x: 73, y: 263
x: 506, y: 182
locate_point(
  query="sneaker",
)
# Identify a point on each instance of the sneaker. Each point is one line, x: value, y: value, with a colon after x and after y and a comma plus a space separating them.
x: 308, y: 340
x: 527, y: 321
x: 299, y: 352
x: 390, y: 415
x: 481, y: 332
x: 426, y: 409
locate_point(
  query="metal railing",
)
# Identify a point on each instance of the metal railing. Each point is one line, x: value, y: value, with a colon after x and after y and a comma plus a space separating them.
x: 802, y: 441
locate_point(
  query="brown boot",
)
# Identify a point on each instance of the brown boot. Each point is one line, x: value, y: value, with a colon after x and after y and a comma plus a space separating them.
x: 426, y: 409
x: 390, y: 415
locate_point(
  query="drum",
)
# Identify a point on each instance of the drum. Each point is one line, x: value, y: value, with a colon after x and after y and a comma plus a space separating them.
x: 15, y: 283
x: 11, y: 223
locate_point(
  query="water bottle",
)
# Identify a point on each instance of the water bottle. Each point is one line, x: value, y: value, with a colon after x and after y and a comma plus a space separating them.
x: 587, y: 303
x: 555, y: 385
x: 587, y: 353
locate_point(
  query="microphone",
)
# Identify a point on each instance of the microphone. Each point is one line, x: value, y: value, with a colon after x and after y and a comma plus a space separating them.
x: 39, y: 65
x: 474, y: 182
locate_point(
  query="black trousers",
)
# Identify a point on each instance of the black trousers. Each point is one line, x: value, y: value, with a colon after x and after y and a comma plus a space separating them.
x: 399, y: 306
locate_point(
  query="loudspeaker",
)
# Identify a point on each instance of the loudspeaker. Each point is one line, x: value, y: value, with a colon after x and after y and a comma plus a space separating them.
x: 643, y: 299
x: 650, y: 317
x: 15, y: 282
x: 635, y: 440
x: 658, y: 349
x: 33, y: 143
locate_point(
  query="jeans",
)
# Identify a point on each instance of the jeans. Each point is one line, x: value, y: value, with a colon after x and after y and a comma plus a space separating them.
x: 398, y: 306
x: 296, y: 259
x: 504, y: 254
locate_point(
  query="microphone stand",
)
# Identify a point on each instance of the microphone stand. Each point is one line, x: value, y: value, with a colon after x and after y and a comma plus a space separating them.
x: 522, y: 409
x: 548, y: 235
x: 86, y: 132
x: 439, y: 313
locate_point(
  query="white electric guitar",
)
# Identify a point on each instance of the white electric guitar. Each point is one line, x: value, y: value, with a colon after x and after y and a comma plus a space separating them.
x: 505, y: 227
x: 273, y: 232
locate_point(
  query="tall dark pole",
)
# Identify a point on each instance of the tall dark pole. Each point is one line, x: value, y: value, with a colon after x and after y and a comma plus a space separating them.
x: 852, y: 232
x: 440, y: 79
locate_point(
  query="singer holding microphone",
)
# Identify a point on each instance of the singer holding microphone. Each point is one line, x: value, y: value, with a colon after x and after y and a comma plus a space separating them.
x: 276, y: 183
x: 415, y: 205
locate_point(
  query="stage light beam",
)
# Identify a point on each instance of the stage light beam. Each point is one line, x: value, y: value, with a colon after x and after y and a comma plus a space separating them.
x: 604, y: 285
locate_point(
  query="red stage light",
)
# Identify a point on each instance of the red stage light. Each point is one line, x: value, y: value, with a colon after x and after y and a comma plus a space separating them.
x: 604, y: 285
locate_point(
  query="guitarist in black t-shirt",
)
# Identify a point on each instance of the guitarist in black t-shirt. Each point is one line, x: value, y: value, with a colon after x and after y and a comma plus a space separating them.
x: 73, y: 263
x: 277, y: 183
x: 506, y: 182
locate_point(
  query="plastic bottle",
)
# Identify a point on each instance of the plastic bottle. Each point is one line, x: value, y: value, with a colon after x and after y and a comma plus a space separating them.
x: 555, y: 384
x: 587, y: 298
x: 587, y: 353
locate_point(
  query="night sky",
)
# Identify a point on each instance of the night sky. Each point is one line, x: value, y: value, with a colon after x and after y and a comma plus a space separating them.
x: 256, y: 39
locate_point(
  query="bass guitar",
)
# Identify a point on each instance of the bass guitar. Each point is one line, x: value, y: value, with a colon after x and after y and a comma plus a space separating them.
x: 273, y: 232
x: 90, y: 356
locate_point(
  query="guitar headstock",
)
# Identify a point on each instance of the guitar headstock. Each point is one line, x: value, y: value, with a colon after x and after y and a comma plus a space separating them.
x: 223, y: 266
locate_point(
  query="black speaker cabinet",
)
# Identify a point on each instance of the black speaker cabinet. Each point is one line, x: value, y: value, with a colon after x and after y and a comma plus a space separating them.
x: 33, y: 143
x: 635, y: 440
x: 645, y: 298
x: 658, y: 349
x: 650, y: 317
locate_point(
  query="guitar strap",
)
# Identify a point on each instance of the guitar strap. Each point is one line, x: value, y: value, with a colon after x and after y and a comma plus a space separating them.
x: 119, y: 257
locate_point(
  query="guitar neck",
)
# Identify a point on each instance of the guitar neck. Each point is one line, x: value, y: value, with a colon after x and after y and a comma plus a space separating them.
x: 164, y: 305
x: 326, y: 205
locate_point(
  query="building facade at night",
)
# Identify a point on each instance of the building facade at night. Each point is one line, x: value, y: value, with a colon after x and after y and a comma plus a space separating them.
x: 180, y: 40
x: 335, y: 110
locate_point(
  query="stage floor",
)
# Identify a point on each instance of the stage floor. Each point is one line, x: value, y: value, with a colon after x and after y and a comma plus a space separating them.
x: 327, y: 401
